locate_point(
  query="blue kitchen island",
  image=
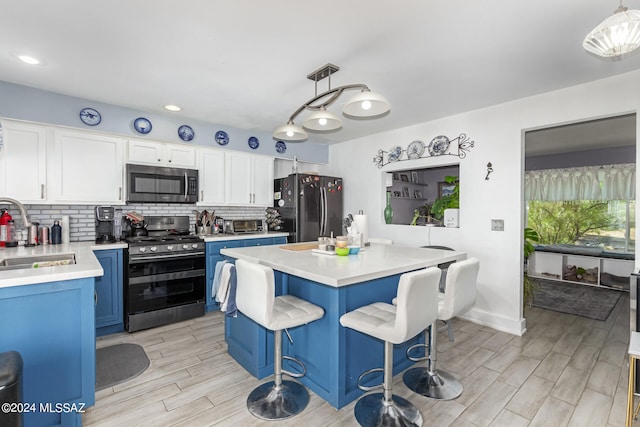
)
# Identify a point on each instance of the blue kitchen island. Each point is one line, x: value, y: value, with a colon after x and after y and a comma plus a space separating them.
x: 334, y: 356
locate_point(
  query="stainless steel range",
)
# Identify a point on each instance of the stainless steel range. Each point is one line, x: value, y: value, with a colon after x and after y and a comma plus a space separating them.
x: 165, y: 274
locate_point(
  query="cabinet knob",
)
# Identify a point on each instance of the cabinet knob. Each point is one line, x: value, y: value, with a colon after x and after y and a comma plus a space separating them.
x: 159, y: 160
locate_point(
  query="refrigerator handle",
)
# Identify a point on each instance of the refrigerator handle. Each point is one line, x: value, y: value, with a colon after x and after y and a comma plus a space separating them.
x: 322, y: 208
x: 326, y: 210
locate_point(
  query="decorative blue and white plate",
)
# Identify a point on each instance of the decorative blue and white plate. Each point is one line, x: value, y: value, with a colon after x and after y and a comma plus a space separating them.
x: 438, y: 145
x: 415, y: 150
x: 186, y: 133
x: 253, y: 142
x: 281, y: 147
x: 90, y: 116
x: 222, y: 138
x: 142, y: 125
x: 395, y: 153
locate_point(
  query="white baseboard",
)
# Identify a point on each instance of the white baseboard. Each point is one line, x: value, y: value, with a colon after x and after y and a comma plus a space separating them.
x: 501, y: 323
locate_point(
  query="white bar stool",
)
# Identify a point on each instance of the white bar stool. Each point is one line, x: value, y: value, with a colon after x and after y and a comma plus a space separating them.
x: 255, y: 298
x: 459, y: 296
x: 417, y: 307
x: 634, y: 354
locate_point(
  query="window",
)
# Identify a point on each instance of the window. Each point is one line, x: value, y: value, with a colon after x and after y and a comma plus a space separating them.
x: 586, y: 206
x: 606, y: 224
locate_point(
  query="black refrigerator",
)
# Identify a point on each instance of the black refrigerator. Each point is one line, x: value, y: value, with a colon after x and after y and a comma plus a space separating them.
x: 310, y: 206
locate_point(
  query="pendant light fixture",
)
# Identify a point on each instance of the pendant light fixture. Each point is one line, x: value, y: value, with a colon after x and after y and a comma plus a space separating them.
x: 322, y: 121
x: 366, y: 104
x: 616, y: 35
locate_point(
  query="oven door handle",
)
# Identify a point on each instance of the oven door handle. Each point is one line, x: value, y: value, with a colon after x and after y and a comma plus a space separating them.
x: 167, y: 277
x: 134, y: 259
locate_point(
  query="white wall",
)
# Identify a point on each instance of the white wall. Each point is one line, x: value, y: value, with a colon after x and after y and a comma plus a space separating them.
x: 35, y: 105
x: 498, y: 135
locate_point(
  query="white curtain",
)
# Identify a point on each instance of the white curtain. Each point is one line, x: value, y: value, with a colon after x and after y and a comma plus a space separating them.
x: 611, y: 182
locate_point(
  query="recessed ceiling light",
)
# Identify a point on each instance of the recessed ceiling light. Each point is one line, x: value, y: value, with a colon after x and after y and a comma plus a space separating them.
x: 171, y: 107
x: 27, y: 59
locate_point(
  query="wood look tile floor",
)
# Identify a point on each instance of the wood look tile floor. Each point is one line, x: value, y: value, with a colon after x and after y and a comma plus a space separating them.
x: 565, y: 371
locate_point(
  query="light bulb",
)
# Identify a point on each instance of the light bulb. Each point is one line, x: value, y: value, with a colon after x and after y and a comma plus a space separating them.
x: 366, y: 105
x: 322, y: 121
x: 289, y: 133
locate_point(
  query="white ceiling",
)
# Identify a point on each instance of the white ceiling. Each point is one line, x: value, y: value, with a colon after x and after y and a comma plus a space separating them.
x: 243, y: 63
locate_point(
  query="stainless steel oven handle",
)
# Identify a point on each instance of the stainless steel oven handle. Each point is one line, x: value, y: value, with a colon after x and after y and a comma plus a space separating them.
x: 134, y: 258
x: 166, y: 277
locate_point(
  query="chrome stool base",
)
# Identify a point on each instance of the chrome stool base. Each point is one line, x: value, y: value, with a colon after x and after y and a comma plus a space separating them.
x: 268, y: 403
x: 439, y: 385
x: 372, y: 410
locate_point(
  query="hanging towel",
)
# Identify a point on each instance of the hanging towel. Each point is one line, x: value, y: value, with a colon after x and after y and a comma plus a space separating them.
x: 215, y: 285
x: 232, y: 310
x: 223, y: 289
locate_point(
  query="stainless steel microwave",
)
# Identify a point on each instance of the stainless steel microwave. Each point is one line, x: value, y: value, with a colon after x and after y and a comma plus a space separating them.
x: 156, y: 184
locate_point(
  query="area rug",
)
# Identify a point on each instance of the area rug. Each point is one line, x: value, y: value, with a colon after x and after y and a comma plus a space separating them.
x: 571, y: 298
x: 118, y: 363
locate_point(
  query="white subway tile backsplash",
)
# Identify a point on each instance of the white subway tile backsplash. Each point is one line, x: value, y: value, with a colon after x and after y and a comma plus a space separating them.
x: 82, y: 218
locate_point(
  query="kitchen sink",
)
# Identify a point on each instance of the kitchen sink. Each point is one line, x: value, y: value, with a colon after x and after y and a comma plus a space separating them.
x: 37, y: 261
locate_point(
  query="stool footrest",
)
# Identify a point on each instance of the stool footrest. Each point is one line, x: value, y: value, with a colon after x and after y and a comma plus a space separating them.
x: 364, y: 374
x: 418, y: 358
x: 297, y: 362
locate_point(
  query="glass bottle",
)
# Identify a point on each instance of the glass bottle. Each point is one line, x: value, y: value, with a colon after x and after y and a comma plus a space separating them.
x: 56, y: 233
x: 12, y: 236
x: 388, y: 210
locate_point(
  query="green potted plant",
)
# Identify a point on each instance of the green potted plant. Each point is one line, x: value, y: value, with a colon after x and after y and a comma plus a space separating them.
x: 423, y: 211
x: 448, y: 201
x: 530, y: 236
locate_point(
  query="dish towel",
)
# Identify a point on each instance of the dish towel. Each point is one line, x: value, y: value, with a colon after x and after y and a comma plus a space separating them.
x: 223, y: 288
x: 215, y: 285
x: 231, y: 309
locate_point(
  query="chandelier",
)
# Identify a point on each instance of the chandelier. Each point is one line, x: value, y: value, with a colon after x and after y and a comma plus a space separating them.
x: 365, y: 104
x: 616, y: 35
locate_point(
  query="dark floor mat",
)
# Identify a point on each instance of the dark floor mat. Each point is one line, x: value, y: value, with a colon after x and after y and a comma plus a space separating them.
x: 118, y: 363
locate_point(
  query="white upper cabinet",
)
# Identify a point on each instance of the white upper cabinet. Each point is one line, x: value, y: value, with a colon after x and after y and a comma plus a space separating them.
x: 162, y: 154
x: 23, y: 162
x: 87, y: 168
x: 211, y: 176
x: 248, y: 179
x: 263, y: 181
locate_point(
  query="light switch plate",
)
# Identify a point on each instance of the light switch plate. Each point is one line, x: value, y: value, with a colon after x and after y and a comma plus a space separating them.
x: 497, y: 224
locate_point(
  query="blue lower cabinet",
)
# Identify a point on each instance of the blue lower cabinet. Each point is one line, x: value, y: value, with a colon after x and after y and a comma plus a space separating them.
x: 108, y: 293
x: 52, y: 326
x: 213, y: 256
x: 281, y: 240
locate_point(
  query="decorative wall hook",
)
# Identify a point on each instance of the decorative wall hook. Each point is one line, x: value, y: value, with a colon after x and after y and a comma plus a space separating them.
x: 489, y: 170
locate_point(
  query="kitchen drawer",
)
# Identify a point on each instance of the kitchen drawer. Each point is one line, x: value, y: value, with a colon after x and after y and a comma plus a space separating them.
x: 258, y: 242
x: 214, y: 248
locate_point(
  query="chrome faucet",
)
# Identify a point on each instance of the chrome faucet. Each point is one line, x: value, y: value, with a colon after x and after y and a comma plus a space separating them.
x: 23, y: 210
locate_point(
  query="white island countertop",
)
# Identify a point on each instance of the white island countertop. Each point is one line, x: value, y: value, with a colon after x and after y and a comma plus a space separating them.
x: 86, y: 265
x: 371, y: 263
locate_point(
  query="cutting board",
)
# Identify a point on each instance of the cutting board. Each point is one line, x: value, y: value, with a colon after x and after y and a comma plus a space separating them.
x: 300, y: 247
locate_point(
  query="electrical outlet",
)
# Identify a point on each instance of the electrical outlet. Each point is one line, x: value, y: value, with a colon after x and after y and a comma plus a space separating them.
x: 497, y: 224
